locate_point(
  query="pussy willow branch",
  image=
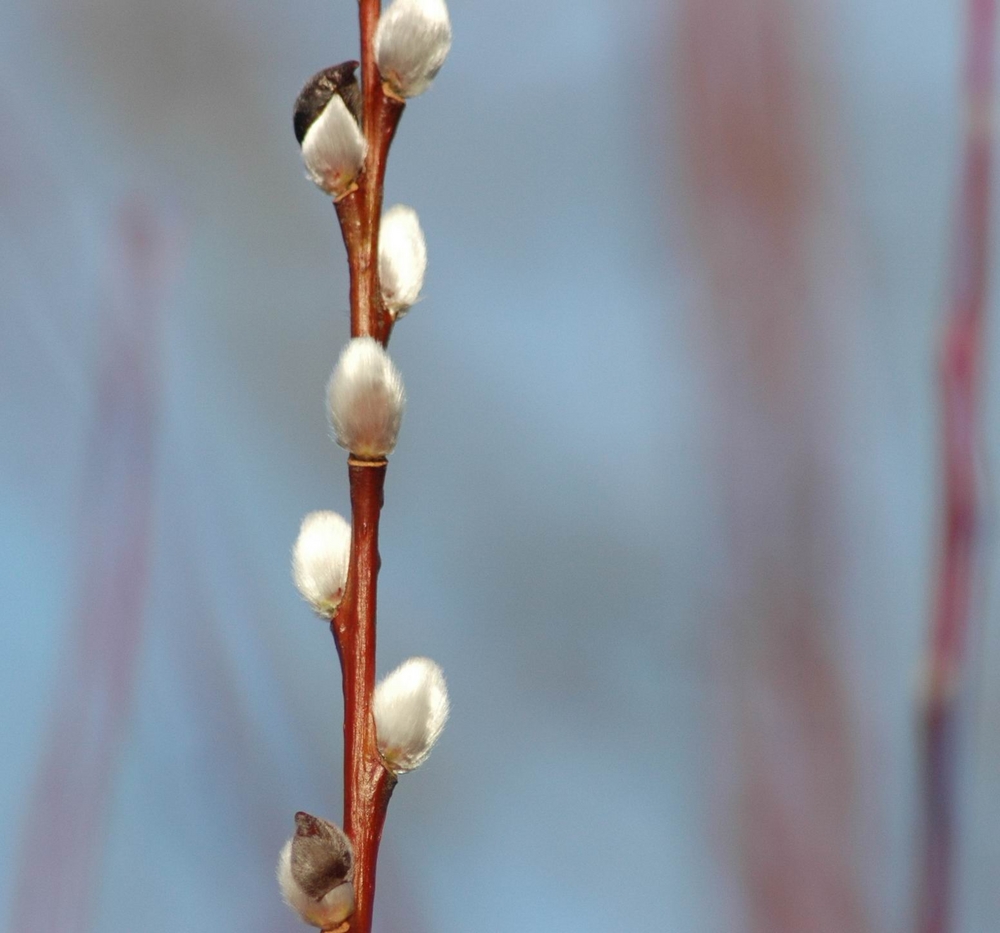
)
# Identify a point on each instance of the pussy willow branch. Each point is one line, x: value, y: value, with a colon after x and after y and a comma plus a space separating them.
x: 368, y: 784
x: 961, y: 363
x: 360, y: 212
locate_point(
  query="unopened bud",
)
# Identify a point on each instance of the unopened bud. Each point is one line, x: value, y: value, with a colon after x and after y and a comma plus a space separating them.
x: 315, y: 872
x: 326, y: 126
x: 365, y: 399
x: 402, y: 259
x: 411, y: 43
x: 319, y: 560
x: 411, y: 708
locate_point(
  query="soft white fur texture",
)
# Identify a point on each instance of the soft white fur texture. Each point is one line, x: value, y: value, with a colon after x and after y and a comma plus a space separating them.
x: 411, y: 708
x: 402, y: 258
x: 320, y: 558
x: 365, y: 399
x: 411, y: 43
x: 334, y: 148
x: 328, y: 912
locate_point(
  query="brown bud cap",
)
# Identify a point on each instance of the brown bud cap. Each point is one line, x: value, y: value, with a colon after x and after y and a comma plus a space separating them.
x: 338, y: 79
x: 322, y: 855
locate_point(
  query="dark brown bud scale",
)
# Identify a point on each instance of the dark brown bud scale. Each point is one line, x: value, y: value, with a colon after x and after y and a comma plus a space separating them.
x: 322, y: 855
x: 338, y: 79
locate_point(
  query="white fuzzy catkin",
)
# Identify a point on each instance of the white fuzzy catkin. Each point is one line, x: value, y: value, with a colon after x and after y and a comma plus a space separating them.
x: 411, y: 708
x: 320, y: 558
x: 365, y: 399
x: 402, y: 259
x: 334, y: 149
x: 329, y: 911
x: 411, y: 43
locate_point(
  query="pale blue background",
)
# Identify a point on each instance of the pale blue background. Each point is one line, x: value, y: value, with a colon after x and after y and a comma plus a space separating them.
x: 551, y: 527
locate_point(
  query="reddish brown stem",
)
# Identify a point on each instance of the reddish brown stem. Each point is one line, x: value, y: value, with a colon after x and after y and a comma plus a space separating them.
x: 368, y: 784
x: 349, y: 215
x: 960, y: 365
x: 360, y: 212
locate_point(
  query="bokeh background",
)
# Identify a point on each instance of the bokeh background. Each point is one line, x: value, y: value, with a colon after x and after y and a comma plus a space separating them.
x: 665, y: 505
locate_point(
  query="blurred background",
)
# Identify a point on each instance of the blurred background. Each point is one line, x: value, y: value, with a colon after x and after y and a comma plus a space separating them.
x: 665, y: 504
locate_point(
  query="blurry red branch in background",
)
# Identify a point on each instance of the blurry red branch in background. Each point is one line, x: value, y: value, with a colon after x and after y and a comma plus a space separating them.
x: 750, y: 124
x: 62, y: 831
x: 961, y: 363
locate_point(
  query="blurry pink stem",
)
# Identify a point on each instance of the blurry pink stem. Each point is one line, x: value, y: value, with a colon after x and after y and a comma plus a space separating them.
x: 960, y: 365
x: 56, y: 878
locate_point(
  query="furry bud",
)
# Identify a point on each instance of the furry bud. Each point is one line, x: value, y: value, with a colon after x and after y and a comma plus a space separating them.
x: 411, y: 43
x: 319, y: 560
x: 326, y: 126
x: 316, y: 870
x: 411, y: 708
x: 402, y: 259
x: 365, y: 399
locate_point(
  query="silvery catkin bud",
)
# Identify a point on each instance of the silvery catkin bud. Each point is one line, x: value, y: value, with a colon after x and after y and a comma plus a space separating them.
x: 315, y: 872
x: 402, y: 259
x: 326, y: 126
x: 410, y: 708
x: 365, y: 399
x: 319, y: 560
x: 411, y: 43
